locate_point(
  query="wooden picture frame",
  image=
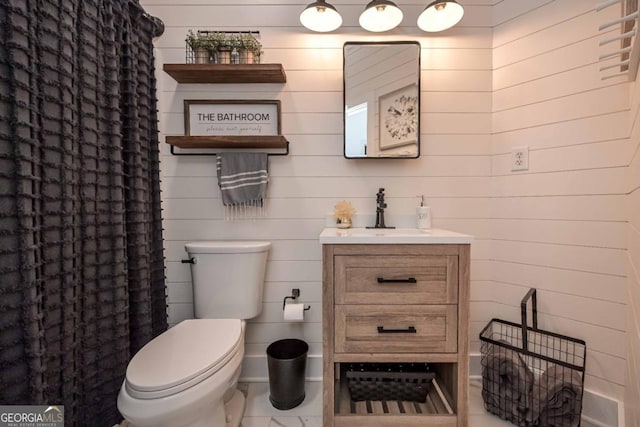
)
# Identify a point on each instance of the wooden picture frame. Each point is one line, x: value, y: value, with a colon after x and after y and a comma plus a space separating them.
x: 226, y: 118
x: 398, y: 117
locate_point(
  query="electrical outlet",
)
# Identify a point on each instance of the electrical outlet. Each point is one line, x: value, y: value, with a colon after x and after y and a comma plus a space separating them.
x: 520, y: 158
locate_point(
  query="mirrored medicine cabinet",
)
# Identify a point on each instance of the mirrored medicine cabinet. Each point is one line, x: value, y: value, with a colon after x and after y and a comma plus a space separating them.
x: 382, y: 99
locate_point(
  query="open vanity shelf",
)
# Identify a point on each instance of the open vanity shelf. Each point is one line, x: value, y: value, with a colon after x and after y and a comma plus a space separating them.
x: 226, y: 73
x: 396, y: 305
x: 434, y: 405
x: 438, y: 400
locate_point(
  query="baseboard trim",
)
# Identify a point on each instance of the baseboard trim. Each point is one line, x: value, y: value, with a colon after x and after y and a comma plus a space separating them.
x: 254, y: 368
x: 598, y: 410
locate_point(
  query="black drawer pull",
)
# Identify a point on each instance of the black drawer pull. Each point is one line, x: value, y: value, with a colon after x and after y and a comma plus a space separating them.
x: 409, y: 330
x: 408, y: 280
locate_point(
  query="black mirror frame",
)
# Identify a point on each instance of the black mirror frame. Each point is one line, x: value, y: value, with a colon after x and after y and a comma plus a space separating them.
x: 344, y: 98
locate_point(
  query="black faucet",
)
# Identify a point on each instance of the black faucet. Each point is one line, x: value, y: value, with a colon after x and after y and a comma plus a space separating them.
x: 380, y: 210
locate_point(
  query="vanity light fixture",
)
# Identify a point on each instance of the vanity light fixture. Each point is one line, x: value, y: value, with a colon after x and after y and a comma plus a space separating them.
x: 440, y: 15
x: 320, y: 16
x: 380, y: 15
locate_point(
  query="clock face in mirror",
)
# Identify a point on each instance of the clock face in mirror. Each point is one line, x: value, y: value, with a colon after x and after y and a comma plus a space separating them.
x: 382, y: 100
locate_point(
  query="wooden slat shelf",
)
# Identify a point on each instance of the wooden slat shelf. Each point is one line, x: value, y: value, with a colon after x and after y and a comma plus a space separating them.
x: 436, y: 404
x: 226, y: 73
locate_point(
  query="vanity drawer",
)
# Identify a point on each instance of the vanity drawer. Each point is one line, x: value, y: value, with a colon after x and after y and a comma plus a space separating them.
x: 396, y: 328
x: 395, y: 279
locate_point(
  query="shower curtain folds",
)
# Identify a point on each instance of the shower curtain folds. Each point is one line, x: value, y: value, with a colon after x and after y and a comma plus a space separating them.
x: 82, y: 283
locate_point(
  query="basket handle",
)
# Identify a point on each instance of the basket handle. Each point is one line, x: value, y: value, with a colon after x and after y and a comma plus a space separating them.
x: 531, y: 295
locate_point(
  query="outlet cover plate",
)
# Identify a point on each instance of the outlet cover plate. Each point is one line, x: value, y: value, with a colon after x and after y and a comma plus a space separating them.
x: 520, y: 158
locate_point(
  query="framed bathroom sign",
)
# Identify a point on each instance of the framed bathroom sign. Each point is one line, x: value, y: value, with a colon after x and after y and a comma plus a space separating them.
x: 231, y: 117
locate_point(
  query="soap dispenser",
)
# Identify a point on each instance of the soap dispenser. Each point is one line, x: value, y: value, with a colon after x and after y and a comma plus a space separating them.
x: 423, y: 215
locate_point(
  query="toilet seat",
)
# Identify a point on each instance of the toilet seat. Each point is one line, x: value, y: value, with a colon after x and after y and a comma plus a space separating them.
x: 182, y: 357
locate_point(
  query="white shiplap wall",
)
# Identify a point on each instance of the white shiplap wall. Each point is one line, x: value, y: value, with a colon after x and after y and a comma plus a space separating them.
x: 561, y: 226
x: 513, y: 73
x: 453, y: 171
x: 632, y: 395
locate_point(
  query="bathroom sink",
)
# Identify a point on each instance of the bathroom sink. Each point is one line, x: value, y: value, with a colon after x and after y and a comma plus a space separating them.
x: 392, y: 235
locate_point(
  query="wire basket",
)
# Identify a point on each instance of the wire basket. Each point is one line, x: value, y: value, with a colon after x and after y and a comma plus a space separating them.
x: 532, y: 377
x: 235, y: 57
x: 385, y: 381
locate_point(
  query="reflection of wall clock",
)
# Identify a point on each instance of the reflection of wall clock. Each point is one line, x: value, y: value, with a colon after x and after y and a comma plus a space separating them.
x: 401, y: 119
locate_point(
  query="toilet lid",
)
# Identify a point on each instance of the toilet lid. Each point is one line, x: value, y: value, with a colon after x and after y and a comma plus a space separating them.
x: 189, y: 352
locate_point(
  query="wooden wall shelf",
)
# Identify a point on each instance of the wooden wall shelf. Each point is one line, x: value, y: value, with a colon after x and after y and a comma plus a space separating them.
x: 226, y: 73
x: 240, y: 142
x: 231, y: 142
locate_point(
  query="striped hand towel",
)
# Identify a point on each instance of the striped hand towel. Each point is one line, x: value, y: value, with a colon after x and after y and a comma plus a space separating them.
x: 243, y: 178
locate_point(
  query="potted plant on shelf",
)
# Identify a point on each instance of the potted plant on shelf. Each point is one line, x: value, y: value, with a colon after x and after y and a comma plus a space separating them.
x: 224, y: 46
x: 200, y: 45
x: 249, y: 49
x: 213, y: 44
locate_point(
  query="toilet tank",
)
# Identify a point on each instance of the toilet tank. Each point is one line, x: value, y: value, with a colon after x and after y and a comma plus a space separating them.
x: 228, y: 278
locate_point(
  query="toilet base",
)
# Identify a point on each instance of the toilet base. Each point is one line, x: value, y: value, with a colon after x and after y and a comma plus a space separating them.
x: 234, y: 409
x: 203, y: 405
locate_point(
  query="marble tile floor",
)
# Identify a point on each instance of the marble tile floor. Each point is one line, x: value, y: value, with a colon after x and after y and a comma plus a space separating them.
x: 260, y: 413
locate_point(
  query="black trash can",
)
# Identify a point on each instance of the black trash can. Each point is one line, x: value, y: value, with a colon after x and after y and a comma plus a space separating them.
x: 287, y: 363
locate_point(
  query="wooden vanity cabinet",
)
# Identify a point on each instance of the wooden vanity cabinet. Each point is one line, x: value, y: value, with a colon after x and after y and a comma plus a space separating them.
x: 420, y: 289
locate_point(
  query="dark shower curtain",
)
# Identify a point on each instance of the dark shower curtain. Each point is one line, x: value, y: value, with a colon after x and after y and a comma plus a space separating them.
x: 81, y: 262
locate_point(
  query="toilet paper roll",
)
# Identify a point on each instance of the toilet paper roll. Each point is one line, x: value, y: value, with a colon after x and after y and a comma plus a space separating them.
x: 294, y: 312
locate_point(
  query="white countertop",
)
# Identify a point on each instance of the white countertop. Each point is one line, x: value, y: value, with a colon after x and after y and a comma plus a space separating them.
x: 392, y: 235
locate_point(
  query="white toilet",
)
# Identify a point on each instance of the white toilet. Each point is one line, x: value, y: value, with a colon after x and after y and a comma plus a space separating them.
x: 187, y: 376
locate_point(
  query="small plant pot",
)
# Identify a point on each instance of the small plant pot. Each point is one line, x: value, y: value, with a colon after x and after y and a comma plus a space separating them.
x: 343, y: 222
x: 201, y: 55
x: 224, y: 56
x: 247, y: 57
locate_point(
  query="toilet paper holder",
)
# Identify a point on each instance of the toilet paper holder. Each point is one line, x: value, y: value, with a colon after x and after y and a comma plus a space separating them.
x: 295, y: 293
